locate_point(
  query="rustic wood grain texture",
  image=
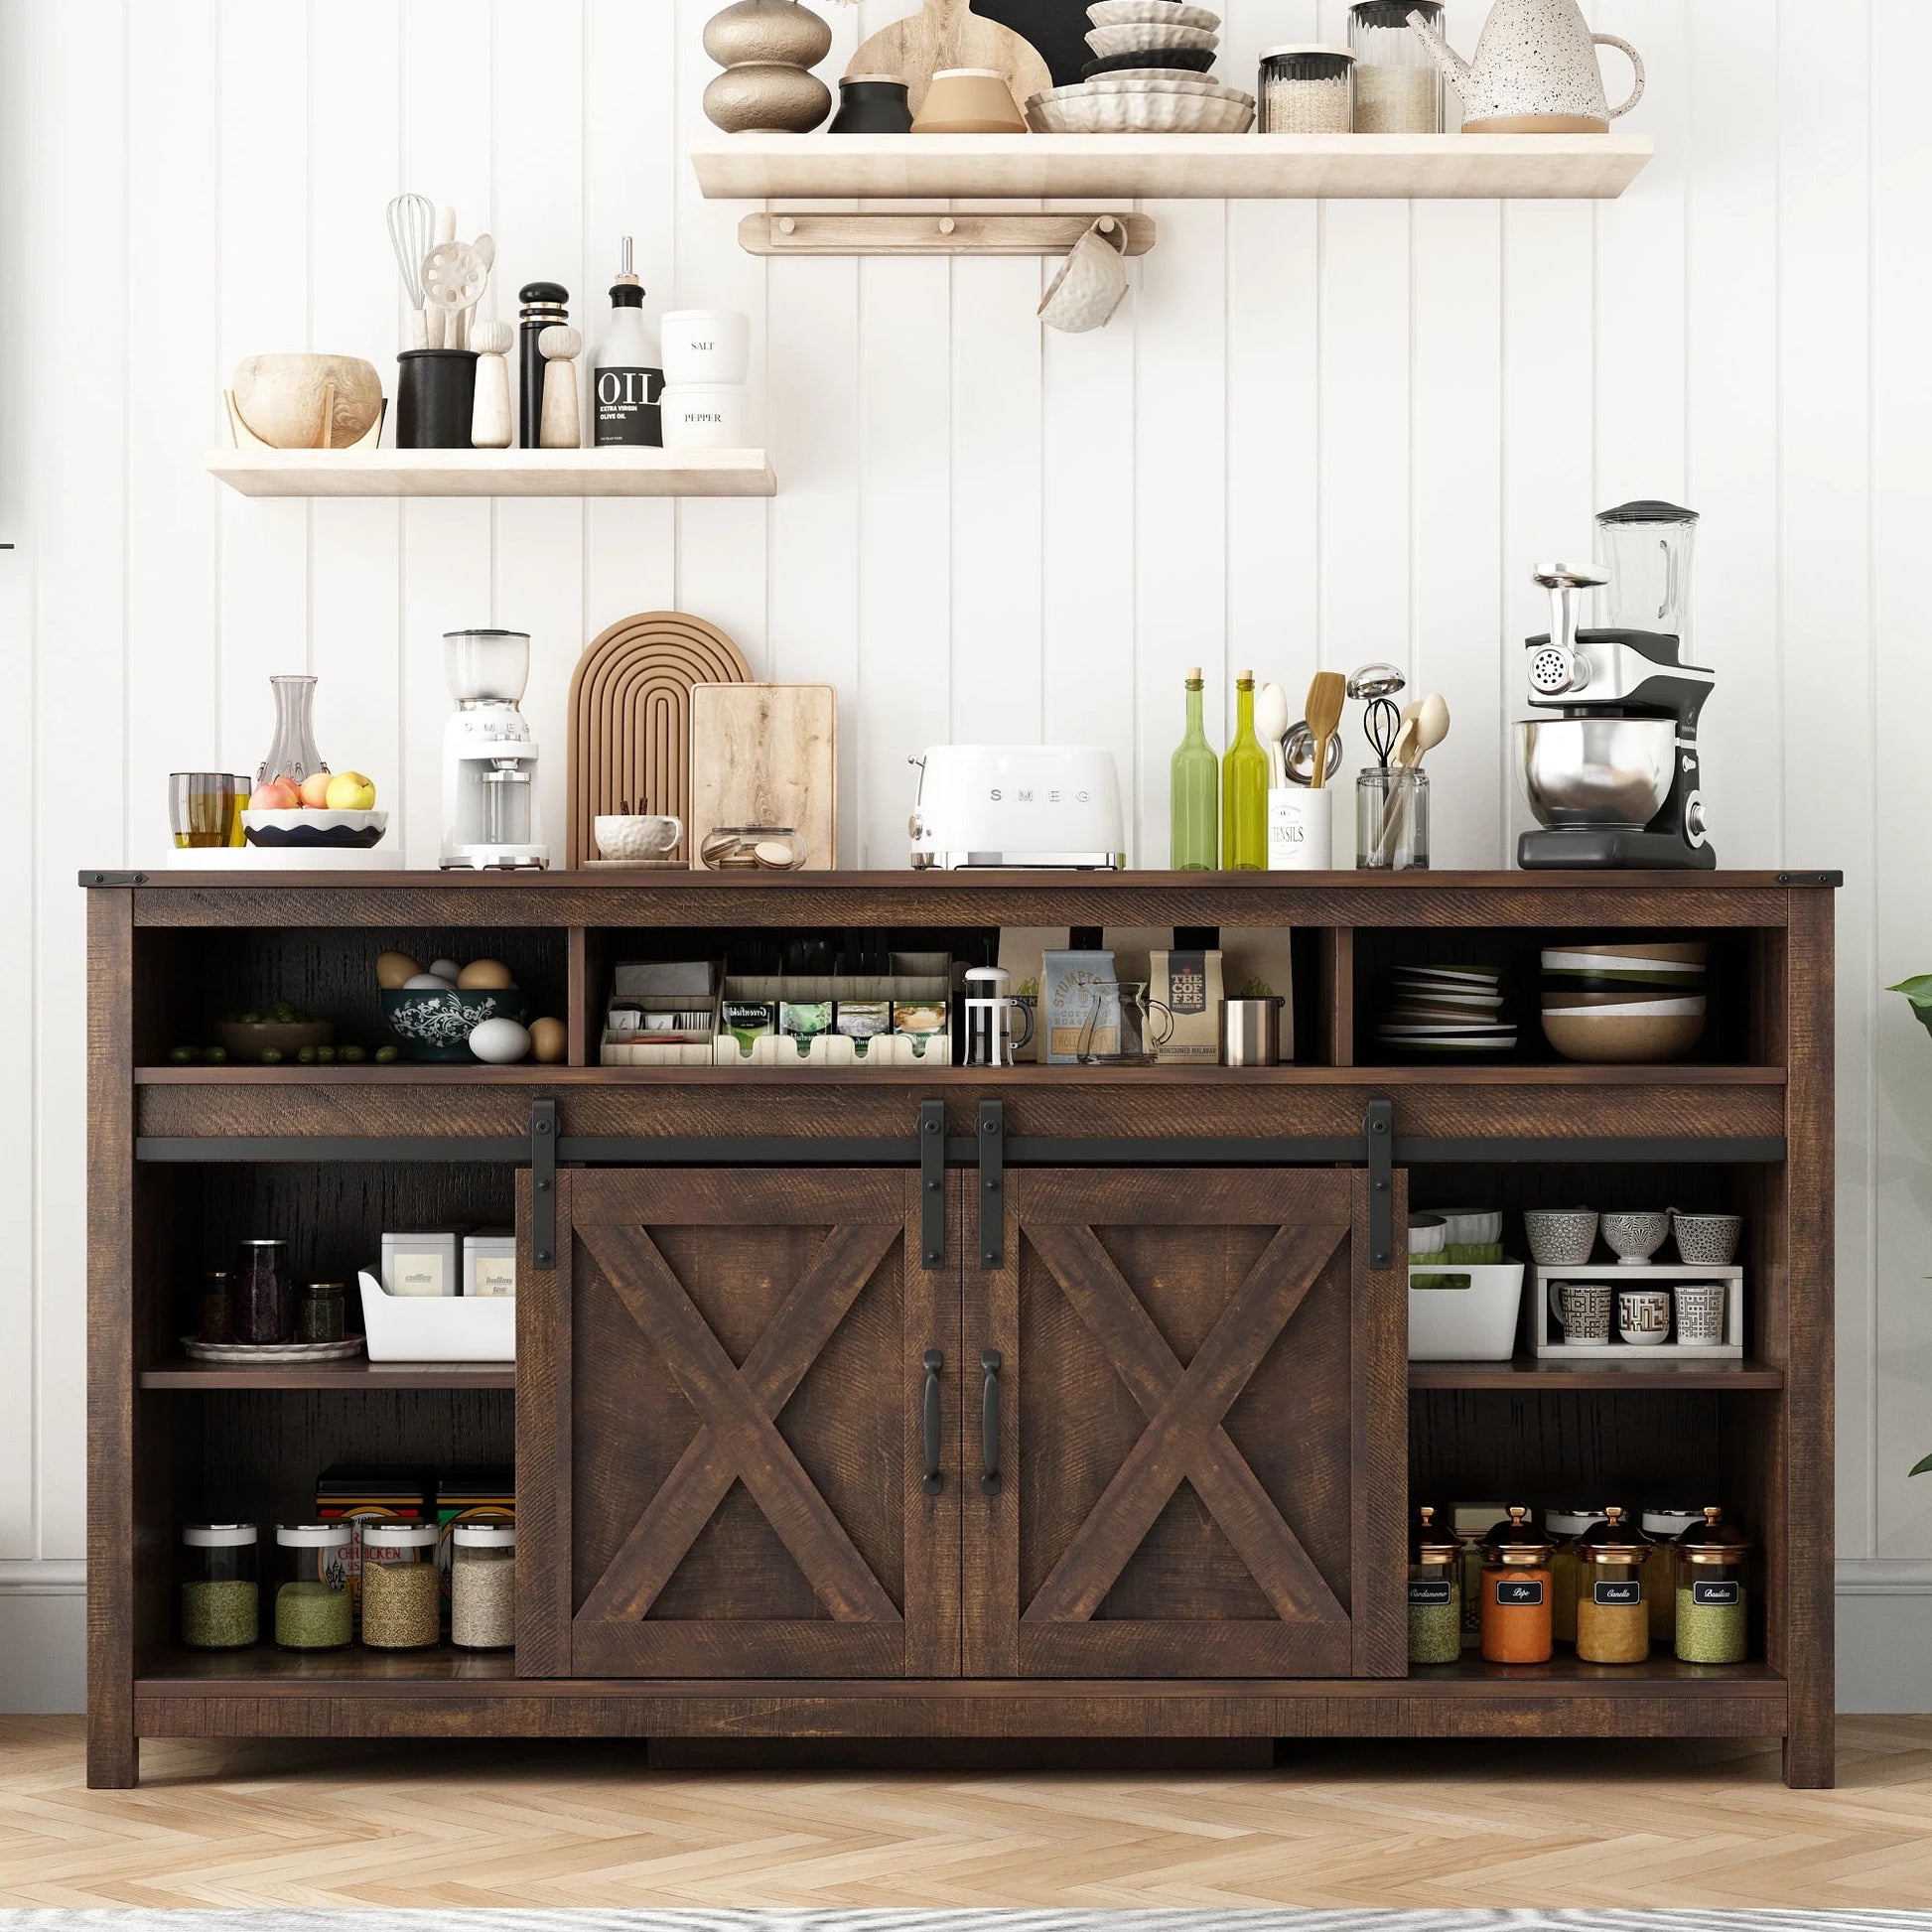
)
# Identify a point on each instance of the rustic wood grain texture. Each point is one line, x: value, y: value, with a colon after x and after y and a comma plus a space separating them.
x: 545, y: 1439
x: 767, y: 755
x: 1378, y: 1458
x: 949, y: 34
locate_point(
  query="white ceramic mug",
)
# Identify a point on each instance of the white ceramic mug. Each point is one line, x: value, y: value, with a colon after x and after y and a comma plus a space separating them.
x: 1582, y: 1309
x: 706, y: 416
x: 1092, y: 280
x: 706, y: 345
x: 1700, y: 1314
x: 1643, y: 1315
x: 1300, y: 825
x: 635, y: 835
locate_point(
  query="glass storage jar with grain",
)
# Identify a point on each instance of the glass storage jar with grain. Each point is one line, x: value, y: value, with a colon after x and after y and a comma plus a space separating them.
x: 1613, y: 1620
x: 482, y: 1586
x: 312, y: 1610
x: 1398, y: 90
x: 1307, y: 89
x: 1713, y: 1600
x: 321, y: 1313
x: 1565, y: 1525
x: 221, y: 1602
x: 1664, y: 1527
x: 402, y: 1588
x: 1435, y: 1594
x: 1516, y: 1593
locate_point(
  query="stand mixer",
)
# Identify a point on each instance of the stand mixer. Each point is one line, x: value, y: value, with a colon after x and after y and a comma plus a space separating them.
x: 1611, y: 771
x: 489, y: 758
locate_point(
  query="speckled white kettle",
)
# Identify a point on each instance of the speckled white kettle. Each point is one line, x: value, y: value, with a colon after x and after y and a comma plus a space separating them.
x: 1535, y: 70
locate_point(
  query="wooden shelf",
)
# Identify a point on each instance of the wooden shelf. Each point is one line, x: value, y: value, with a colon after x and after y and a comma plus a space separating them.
x: 495, y: 473
x: 1179, y: 167
x: 335, y: 1375
x: 1525, y: 1374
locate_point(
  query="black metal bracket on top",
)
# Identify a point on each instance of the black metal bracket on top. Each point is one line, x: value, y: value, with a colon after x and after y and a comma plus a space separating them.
x: 933, y: 1184
x: 993, y: 1183
x: 1378, y: 1131
x: 543, y: 1184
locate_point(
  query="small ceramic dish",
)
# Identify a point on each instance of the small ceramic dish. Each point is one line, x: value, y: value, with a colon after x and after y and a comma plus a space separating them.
x: 1427, y: 1234
x: 1707, y: 1241
x: 1148, y: 37
x: 355, y: 831
x: 1639, y: 1041
x: 1634, y: 1236
x: 1560, y: 1237
x: 1470, y: 1227
x: 1157, y: 13
x: 1142, y: 113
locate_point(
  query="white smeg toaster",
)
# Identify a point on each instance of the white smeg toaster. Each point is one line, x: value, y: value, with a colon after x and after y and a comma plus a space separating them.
x: 1050, y: 806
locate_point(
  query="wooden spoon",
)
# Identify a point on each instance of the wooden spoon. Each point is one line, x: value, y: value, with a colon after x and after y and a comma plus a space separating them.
x: 1327, y: 696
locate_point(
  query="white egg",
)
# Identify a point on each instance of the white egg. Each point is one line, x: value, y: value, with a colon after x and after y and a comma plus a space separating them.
x: 499, y: 1041
x: 445, y: 969
x: 425, y: 983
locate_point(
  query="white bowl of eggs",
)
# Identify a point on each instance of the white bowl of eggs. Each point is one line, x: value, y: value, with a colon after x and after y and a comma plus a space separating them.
x: 444, y: 1012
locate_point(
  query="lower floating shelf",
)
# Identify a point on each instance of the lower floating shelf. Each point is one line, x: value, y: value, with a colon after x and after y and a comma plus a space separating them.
x: 1526, y: 1374
x: 495, y: 473
x: 335, y: 1375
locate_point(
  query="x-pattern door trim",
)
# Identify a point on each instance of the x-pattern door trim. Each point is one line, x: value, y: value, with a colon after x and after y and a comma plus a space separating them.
x: 740, y: 1438
x: 1184, y: 1437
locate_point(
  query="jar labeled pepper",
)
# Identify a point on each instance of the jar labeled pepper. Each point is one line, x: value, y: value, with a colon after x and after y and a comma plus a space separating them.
x: 1613, y: 1619
x: 1516, y: 1593
x: 321, y: 1313
x: 1435, y: 1594
x: 1713, y: 1600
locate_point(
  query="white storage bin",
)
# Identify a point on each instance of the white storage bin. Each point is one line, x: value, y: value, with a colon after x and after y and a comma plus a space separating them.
x: 437, y: 1329
x: 1477, y: 1324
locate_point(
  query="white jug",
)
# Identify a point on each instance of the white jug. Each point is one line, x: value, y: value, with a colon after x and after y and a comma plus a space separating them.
x: 1535, y: 70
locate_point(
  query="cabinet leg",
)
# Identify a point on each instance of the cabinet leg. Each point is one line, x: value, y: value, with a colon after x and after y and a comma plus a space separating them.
x: 113, y: 1755
x: 1810, y: 1757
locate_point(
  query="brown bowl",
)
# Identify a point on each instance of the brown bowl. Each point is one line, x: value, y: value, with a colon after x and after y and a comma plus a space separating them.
x: 1623, y: 1040
x: 245, y: 1041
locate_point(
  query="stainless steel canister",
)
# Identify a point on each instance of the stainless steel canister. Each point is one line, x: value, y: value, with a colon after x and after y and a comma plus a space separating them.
x: 1251, y: 1031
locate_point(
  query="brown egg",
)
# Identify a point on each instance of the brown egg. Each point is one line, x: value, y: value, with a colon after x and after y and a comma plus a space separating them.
x: 548, y: 1041
x: 484, y: 974
x: 394, y: 970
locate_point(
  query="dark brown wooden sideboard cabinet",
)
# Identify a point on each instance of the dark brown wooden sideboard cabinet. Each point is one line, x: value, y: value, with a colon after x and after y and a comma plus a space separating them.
x: 1053, y: 1403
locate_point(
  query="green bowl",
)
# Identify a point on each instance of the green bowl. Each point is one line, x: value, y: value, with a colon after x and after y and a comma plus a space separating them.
x: 436, y: 1024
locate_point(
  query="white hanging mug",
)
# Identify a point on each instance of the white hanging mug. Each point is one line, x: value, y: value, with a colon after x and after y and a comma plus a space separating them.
x: 1092, y: 280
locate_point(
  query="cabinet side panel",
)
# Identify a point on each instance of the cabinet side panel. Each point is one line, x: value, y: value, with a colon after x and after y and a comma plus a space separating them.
x: 1379, y: 1478
x: 543, y: 1444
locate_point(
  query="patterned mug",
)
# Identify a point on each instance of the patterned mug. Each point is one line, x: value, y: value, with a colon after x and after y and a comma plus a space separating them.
x: 1643, y: 1315
x: 1700, y: 1314
x: 1582, y: 1310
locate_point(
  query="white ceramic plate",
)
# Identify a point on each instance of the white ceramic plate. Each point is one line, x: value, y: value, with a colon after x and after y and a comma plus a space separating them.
x: 1155, y: 13
x: 1632, y: 1009
x: 1151, y: 37
x: 1606, y: 962
x: 1155, y: 84
x: 1141, y: 114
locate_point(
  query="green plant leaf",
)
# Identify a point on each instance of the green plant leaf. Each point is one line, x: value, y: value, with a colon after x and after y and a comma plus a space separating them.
x: 1918, y: 990
x: 1922, y: 1467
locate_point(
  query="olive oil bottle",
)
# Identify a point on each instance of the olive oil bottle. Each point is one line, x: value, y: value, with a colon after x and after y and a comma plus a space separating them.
x: 1244, y: 788
x: 1194, y: 792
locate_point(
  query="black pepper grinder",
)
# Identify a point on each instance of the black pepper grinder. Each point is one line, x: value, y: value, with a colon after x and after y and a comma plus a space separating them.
x: 543, y: 303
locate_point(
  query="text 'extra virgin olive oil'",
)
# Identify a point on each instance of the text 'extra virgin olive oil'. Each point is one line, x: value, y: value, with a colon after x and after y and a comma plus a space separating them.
x: 627, y: 380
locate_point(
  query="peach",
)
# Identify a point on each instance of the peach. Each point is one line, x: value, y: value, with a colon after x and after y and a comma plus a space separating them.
x: 276, y: 796
x: 315, y: 790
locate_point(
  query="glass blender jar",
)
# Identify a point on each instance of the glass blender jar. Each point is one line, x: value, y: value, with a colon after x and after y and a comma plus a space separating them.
x: 1646, y: 547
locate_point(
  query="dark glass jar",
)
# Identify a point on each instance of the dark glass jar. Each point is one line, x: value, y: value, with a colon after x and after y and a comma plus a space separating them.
x: 872, y: 103
x: 321, y: 1313
x: 262, y: 1311
x: 214, y: 1321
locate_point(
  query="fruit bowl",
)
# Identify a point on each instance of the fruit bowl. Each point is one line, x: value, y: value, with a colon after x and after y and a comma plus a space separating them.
x: 246, y: 1039
x: 436, y: 1024
x: 303, y: 827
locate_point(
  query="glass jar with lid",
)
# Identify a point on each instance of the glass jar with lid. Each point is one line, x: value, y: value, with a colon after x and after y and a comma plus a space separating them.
x: 312, y: 1609
x: 221, y: 1599
x: 1664, y: 1527
x: 1565, y: 1525
x: 1398, y: 87
x: 322, y: 1312
x: 1713, y: 1600
x: 1516, y: 1591
x: 402, y: 1588
x: 1435, y: 1593
x: 1307, y: 88
x: 263, y: 1312
x: 215, y: 1320
x: 1613, y: 1620
x: 482, y: 1586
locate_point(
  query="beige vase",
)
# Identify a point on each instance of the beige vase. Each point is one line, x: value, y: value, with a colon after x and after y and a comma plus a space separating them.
x: 766, y: 49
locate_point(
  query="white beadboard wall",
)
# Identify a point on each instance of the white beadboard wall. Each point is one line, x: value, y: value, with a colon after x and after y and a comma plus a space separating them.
x: 1317, y: 435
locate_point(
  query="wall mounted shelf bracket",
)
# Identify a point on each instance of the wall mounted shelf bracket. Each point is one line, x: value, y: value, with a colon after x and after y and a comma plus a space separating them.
x: 930, y: 234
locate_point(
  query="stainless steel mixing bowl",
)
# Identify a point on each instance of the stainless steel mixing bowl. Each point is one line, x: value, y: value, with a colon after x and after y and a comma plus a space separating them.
x: 1597, y: 770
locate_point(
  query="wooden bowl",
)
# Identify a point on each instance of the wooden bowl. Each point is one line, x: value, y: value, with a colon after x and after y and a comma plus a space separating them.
x: 969, y: 101
x: 280, y: 398
x: 288, y: 1037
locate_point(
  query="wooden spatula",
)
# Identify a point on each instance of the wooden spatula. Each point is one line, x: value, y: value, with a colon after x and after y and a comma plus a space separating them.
x: 1326, y: 695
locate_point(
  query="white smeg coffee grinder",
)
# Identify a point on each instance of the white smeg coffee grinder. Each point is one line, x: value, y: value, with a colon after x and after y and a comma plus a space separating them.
x: 489, y: 758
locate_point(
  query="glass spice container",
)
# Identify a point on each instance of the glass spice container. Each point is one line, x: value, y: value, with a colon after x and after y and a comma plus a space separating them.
x: 221, y: 1599
x: 1398, y: 90
x: 215, y: 1320
x: 312, y: 1607
x: 1306, y: 89
x: 1471, y: 1523
x: 1664, y: 1527
x: 1612, y: 1621
x: 321, y: 1313
x: 262, y: 1310
x: 1712, y: 1592
x: 1565, y: 1526
x: 1516, y: 1593
x: 483, y: 1587
x: 402, y: 1588
x: 1391, y: 818
x: 1435, y: 1594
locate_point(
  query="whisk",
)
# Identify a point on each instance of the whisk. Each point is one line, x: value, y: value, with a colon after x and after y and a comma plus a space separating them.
x: 1376, y: 685
x: 412, y: 232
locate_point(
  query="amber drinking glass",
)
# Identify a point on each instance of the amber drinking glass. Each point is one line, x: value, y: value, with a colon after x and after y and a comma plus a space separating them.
x: 202, y: 809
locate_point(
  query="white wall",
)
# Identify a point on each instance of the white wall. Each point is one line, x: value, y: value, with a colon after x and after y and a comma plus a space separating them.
x: 1319, y: 435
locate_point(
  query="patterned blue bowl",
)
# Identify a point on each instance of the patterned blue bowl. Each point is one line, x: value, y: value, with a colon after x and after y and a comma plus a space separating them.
x: 436, y: 1025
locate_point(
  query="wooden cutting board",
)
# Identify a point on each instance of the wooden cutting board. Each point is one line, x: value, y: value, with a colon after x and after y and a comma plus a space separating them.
x: 767, y: 755
x: 631, y: 719
x: 949, y: 34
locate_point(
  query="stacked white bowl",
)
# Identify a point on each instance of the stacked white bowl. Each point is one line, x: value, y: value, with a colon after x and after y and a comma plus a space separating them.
x: 1149, y: 75
x: 707, y: 357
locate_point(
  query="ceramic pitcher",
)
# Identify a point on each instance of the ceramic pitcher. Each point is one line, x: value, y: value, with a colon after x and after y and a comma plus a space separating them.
x: 1535, y: 70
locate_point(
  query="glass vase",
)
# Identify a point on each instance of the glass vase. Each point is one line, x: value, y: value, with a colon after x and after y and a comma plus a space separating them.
x: 293, y: 755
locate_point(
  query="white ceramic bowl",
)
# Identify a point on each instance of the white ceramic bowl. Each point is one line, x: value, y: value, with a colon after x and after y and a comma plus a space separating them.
x: 1427, y: 1234
x: 1153, y: 13
x: 1634, y: 1236
x: 1707, y: 1241
x: 706, y: 416
x: 1141, y: 113
x: 1472, y: 1227
x: 706, y: 345
x: 1560, y: 1237
x: 1149, y: 37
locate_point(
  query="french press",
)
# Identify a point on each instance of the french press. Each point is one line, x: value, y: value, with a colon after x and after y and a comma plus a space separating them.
x: 990, y: 1010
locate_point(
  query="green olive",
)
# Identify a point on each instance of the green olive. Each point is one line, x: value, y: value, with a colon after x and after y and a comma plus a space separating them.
x: 251, y: 1020
x: 271, y: 1057
x: 385, y: 1054
x: 181, y: 1055
x: 306, y: 1055
x: 216, y: 1056
x: 325, y: 1055
x: 355, y: 1055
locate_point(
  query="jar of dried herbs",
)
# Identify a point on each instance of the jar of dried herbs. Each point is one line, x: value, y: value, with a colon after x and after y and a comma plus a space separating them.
x: 482, y: 1586
x: 1516, y: 1593
x: 1435, y: 1594
x: 402, y: 1588
x: 312, y: 1608
x: 1613, y: 1619
x: 321, y: 1313
x: 221, y: 1599
x: 1713, y: 1600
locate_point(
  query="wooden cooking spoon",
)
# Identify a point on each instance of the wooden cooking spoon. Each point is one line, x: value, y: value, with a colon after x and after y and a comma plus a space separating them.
x: 1327, y: 696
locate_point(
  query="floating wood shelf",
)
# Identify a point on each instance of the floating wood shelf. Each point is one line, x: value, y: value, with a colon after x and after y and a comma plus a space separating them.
x: 335, y: 1375
x: 1179, y: 167
x: 495, y: 473
x: 1525, y: 1375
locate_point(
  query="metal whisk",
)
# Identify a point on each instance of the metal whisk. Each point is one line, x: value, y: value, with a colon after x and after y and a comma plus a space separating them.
x: 412, y: 233
x: 1376, y: 685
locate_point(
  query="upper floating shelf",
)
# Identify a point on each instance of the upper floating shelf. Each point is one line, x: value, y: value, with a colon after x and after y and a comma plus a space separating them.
x: 1178, y: 166
x: 495, y: 473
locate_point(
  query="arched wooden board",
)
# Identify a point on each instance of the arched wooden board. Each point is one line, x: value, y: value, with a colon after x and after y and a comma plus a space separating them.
x: 949, y: 34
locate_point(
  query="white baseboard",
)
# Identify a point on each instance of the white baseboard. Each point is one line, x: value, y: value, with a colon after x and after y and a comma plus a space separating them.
x: 43, y: 1635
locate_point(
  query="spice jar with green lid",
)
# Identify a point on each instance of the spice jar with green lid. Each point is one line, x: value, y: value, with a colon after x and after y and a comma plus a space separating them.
x: 1516, y: 1593
x: 402, y: 1588
x: 1435, y: 1594
x: 1565, y: 1526
x: 1712, y: 1597
x: 312, y: 1609
x: 1613, y: 1619
x: 220, y: 1605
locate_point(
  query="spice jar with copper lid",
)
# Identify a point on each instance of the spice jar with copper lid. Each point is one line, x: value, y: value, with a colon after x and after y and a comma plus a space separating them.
x: 1516, y: 1593
x: 1435, y: 1593
x: 1613, y: 1619
x: 1712, y: 1592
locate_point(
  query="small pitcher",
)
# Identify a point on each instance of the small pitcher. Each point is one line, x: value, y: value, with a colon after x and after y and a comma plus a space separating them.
x: 1119, y: 1029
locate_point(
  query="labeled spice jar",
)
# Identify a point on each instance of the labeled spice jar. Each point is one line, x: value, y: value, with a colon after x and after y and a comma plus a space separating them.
x: 321, y: 1313
x: 1516, y: 1593
x: 221, y: 1599
x: 312, y: 1609
x: 1435, y: 1594
x: 262, y: 1310
x: 402, y: 1590
x: 1398, y: 90
x: 1664, y: 1527
x: 483, y: 1587
x: 215, y: 1315
x: 1565, y: 1525
x: 1471, y: 1523
x: 1712, y: 1602
x: 1613, y: 1619
x: 1306, y: 89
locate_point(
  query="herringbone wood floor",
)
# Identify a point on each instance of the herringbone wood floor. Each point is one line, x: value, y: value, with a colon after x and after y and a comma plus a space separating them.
x: 1396, y: 1824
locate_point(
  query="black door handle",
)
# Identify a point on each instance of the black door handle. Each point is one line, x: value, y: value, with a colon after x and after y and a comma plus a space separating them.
x: 991, y: 1360
x: 934, y: 1362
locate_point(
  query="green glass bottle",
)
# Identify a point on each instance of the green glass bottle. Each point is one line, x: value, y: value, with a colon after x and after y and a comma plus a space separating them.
x: 1244, y: 788
x: 1195, y: 792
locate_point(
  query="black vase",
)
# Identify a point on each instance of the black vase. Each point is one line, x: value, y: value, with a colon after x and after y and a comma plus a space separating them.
x: 436, y: 391
x: 869, y: 104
